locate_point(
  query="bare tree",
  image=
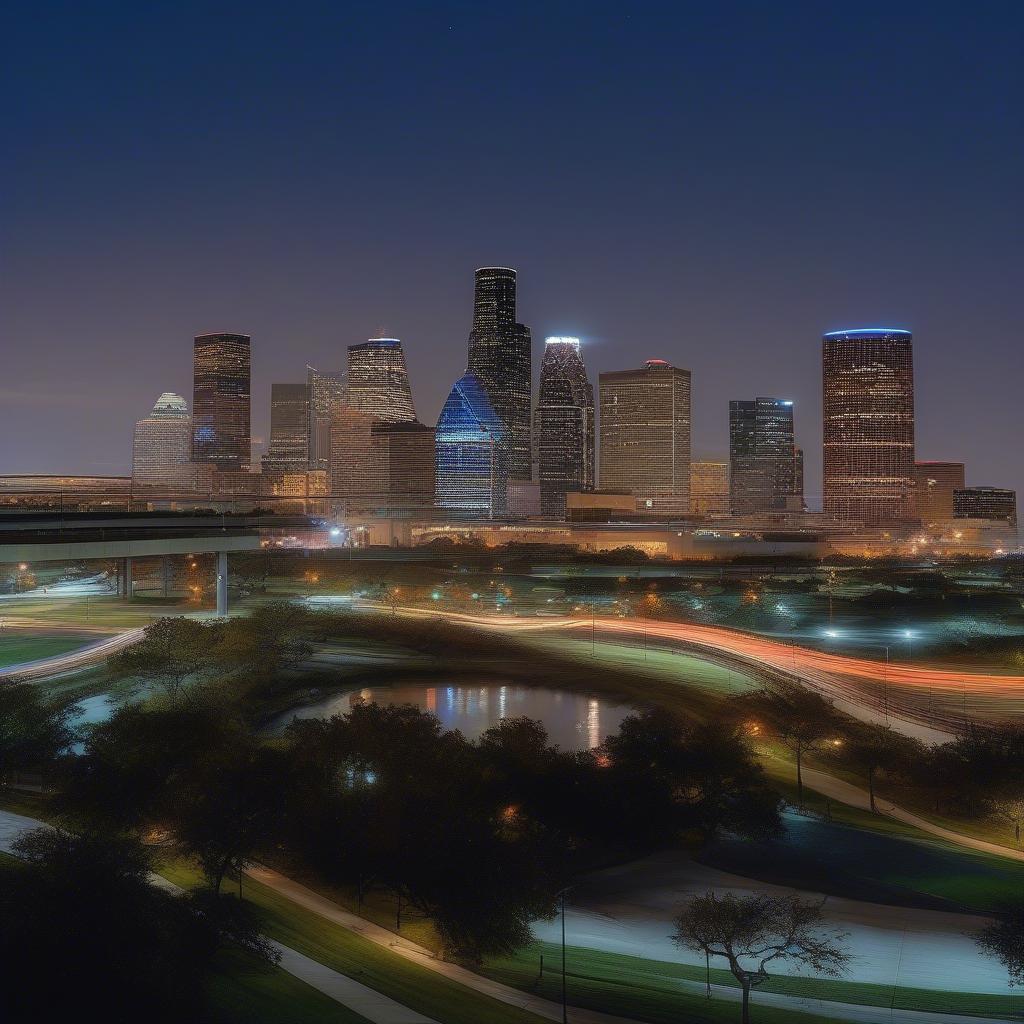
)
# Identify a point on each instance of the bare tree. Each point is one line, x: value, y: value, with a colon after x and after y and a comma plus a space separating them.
x: 751, y: 932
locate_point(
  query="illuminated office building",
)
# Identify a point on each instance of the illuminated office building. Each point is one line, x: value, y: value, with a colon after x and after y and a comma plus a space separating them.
x: 378, y: 381
x: 220, y: 403
x: 709, y: 488
x: 645, y: 436
x: 500, y: 357
x: 288, y: 450
x: 868, y: 425
x: 992, y: 503
x: 565, y: 426
x: 323, y: 392
x: 162, y: 445
x: 471, y: 455
x: 765, y: 466
x: 934, y: 484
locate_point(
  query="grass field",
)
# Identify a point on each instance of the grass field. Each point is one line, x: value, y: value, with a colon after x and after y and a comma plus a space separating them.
x: 17, y: 646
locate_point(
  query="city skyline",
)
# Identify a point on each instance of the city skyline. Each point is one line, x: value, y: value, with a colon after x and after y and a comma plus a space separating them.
x: 632, y: 206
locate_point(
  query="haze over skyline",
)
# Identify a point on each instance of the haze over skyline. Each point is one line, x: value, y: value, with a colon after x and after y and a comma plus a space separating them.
x: 712, y: 187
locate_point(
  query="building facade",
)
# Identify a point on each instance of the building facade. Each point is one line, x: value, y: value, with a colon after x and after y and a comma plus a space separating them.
x: 378, y: 380
x: 709, y: 488
x: 645, y: 436
x: 500, y: 357
x: 162, y: 446
x: 471, y: 454
x: 221, y: 401
x: 288, y: 450
x: 323, y: 392
x: 992, y: 503
x: 765, y: 465
x: 868, y: 425
x: 564, y: 426
x: 934, y: 484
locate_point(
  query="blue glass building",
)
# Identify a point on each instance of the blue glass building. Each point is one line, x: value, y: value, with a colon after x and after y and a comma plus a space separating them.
x: 471, y: 454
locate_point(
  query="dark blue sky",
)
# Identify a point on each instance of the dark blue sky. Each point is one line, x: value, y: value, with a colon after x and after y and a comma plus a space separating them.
x: 714, y: 184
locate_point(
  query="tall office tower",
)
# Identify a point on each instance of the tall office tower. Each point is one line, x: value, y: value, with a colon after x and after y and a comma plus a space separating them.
x: 645, y: 436
x: 378, y: 381
x: 323, y: 391
x: 471, y: 454
x: 220, y: 402
x: 406, y: 454
x: 709, y: 488
x: 992, y: 503
x: 356, y: 478
x: 868, y: 425
x: 499, y: 355
x: 288, y: 451
x: 765, y: 465
x: 564, y: 425
x: 934, y: 484
x: 162, y: 445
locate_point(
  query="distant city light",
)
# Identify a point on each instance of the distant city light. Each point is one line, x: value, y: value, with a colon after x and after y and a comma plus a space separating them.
x: 335, y: 532
x: 832, y: 633
x: 554, y: 340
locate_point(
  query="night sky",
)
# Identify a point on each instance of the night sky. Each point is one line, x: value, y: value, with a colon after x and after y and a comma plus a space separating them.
x: 712, y: 184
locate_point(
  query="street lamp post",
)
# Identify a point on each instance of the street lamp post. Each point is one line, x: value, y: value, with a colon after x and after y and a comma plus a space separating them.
x: 565, y: 1002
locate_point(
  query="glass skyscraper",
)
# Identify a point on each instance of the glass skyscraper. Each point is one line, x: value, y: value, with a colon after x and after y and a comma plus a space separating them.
x: 470, y: 452
x: 645, y: 436
x: 288, y: 450
x: 500, y: 357
x: 565, y: 425
x: 378, y: 380
x: 220, y: 403
x: 323, y: 391
x: 868, y: 425
x: 765, y: 466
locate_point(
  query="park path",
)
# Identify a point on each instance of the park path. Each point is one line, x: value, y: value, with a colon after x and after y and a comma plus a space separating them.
x: 380, y: 1009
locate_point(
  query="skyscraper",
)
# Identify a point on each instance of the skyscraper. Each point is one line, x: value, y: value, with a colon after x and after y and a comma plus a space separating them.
x: 288, y: 450
x: 765, y: 466
x: 868, y: 425
x: 220, y: 403
x: 993, y: 503
x: 378, y: 381
x: 565, y: 425
x: 162, y: 445
x: 645, y: 436
x: 323, y: 390
x: 709, y: 488
x: 934, y: 484
x: 500, y: 357
x: 471, y: 467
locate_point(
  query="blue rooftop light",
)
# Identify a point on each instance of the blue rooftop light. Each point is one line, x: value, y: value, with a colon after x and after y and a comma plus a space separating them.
x: 867, y: 330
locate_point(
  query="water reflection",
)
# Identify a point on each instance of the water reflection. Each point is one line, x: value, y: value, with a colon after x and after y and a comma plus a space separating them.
x: 573, y: 721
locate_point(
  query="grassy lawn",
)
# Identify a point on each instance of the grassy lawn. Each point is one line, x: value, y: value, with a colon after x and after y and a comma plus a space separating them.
x: 17, y: 646
x: 665, y: 993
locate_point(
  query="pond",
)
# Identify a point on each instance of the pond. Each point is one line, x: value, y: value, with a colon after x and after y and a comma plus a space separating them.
x: 573, y: 721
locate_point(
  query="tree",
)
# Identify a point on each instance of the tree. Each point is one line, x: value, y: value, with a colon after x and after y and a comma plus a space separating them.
x: 869, y: 749
x: 1004, y: 939
x: 171, y: 651
x: 1007, y: 803
x: 33, y: 731
x: 750, y: 932
x: 273, y: 638
x: 801, y: 719
x: 85, y: 906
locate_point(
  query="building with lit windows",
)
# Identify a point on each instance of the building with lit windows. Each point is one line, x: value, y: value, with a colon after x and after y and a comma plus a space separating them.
x: 470, y: 454
x: 934, y: 484
x: 997, y: 504
x: 378, y: 380
x: 220, y: 403
x: 709, y: 488
x: 288, y: 450
x: 323, y: 392
x: 868, y: 425
x: 765, y: 465
x: 162, y: 445
x: 500, y: 357
x: 645, y: 436
x: 564, y: 426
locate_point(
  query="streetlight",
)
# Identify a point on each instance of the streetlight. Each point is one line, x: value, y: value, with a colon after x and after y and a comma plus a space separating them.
x: 565, y: 1003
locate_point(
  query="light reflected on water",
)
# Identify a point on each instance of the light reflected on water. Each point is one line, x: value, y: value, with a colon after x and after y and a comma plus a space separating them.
x: 573, y: 721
